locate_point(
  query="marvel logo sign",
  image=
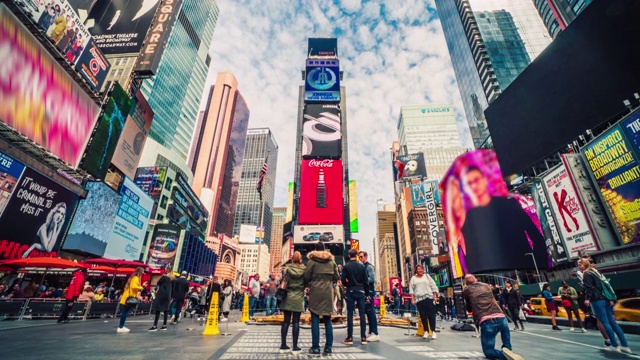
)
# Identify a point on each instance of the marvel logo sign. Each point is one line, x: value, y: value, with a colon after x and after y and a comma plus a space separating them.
x: 321, y: 163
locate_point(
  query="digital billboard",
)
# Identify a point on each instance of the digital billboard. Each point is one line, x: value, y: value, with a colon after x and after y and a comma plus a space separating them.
x: 93, y: 221
x: 418, y: 198
x: 187, y: 204
x: 321, y: 190
x: 120, y: 26
x: 10, y: 172
x: 487, y: 230
x: 104, y: 140
x: 555, y: 246
x: 311, y: 234
x: 321, y: 132
x: 617, y: 172
x: 48, y: 107
x: 322, y: 47
x: 130, y: 226
x: 353, y: 206
x: 410, y: 166
x: 164, y: 245
x: 93, y: 65
x: 151, y: 180
x: 290, y: 202
x: 322, y: 82
x: 157, y: 37
x: 355, y: 244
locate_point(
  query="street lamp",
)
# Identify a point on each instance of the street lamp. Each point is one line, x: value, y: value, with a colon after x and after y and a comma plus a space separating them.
x: 536, y: 265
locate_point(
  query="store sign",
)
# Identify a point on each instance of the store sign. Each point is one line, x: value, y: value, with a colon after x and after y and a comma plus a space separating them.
x: 157, y: 37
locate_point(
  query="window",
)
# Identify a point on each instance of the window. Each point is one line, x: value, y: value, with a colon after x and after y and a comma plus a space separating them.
x: 163, y: 202
x: 548, y: 17
x: 168, y: 183
x: 579, y: 5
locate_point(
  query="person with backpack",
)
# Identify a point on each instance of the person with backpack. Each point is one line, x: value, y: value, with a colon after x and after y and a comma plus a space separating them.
x: 600, y: 295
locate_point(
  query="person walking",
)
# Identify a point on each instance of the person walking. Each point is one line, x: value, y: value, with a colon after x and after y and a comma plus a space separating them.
x: 370, y: 309
x: 254, y: 295
x: 129, y: 298
x: 227, y: 294
x: 488, y: 316
x: 395, y: 293
x: 600, y: 295
x: 423, y: 290
x: 354, y: 276
x: 73, y: 292
x: 179, y: 291
x: 513, y: 302
x: 339, y: 296
x: 552, y: 306
x: 586, y: 307
x: 272, y: 287
x: 162, y: 301
x: 319, y: 276
x: 569, y: 300
x: 292, y: 306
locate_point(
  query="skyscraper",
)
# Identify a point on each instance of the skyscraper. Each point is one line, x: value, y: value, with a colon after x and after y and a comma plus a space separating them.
x: 558, y: 14
x: 490, y: 42
x: 260, y: 143
x: 279, y: 219
x: 428, y: 126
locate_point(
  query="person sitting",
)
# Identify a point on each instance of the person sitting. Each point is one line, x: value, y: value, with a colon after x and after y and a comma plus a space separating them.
x: 87, y: 294
x: 47, y: 294
x: 57, y: 293
x: 99, y: 295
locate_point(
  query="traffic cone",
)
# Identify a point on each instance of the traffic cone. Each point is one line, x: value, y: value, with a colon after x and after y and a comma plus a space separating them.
x: 245, y: 309
x: 383, y: 308
x: 420, y: 331
x: 212, y: 319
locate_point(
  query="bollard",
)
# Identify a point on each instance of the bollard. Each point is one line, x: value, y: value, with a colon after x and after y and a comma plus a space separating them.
x: 383, y: 308
x: 212, y: 318
x: 245, y: 309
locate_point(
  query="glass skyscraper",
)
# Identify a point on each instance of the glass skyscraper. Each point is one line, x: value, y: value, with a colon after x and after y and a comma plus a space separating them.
x: 174, y: 92
x: 558, y: 14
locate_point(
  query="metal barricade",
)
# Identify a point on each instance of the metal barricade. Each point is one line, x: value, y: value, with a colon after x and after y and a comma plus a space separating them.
x: 51, y: 308
x: 11, y: 308
x: 102, y: 309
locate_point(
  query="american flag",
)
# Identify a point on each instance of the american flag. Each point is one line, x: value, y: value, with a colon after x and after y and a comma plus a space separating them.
x: 263, y: 173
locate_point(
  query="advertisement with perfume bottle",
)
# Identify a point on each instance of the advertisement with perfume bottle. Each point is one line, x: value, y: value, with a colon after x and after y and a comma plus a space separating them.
x: 321, y: 190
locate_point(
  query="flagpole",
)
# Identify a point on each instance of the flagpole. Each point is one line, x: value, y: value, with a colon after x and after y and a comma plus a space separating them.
x: 262, y: 217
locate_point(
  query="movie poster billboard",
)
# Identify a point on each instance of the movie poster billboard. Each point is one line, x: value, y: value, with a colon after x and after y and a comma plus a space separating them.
x: 311, y: 234
x: 157, y: 37
x: 418, y: 198
x: 353, y: 206
x: 40, y: 108
x: 133, y: 137
x: 480, y: 215
x: 164, y: 245
x: 36, y: 216
x: 287, y: 250
x: 355, y: 245
x: 93, y: 221
x: 322, y: 83
x: 151, y: 180
x: 572, y: 219
x: 321, y: 132
x: 555, y: 246
x: 617, y: 172
x: 321, y: 189
x: 410, y: 166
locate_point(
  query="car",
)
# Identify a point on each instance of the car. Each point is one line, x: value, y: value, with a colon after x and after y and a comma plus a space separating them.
x: 539, y: 306
x: 326, y: 237
x: 627, y: 310
x: 313, y: 236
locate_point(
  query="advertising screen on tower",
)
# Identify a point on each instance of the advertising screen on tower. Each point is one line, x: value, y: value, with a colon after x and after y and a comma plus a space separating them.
x: 151, y: 180
x: 290, y: 202
x: 157, y: 37
x: 321, y: 133
x: 311, y: 234
x: 322, y: 82
x: 353, y: 206
x: 410, y: 166
x: 164, y: 245
x: 321, y: 190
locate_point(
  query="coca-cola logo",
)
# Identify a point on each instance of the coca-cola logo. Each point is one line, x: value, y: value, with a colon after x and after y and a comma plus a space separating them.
x: 321, y: 163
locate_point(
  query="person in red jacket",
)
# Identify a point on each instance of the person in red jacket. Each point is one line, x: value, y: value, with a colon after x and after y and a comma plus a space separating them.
x: 73, y: 291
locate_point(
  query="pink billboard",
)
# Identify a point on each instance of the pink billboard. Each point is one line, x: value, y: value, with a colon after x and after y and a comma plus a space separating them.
x: 38, y: 98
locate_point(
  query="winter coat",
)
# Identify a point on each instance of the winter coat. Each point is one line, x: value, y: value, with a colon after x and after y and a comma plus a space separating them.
x: 294, y: 274
x: 512, y: 298
x: 320, y: 275
x: 228, y: 295
x: 76, y: 286
x: 163, y: 294
x: 180, y: 288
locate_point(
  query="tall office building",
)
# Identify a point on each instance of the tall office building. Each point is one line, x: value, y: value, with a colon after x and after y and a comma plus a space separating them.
x: 490, y: 42
x: 260, y: 143
x: 438, y: 161
x: 218, y: 151
x: 389, y: 260
x: 277, y: 225
x: 430, y: 126
x: 558, y: 14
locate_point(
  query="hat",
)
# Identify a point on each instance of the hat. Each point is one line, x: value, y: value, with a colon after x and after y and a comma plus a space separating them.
x: 184, y: 273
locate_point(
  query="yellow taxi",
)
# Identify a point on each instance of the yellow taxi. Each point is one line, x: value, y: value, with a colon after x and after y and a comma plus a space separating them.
x: 539, y: 306
x: 627, y: 310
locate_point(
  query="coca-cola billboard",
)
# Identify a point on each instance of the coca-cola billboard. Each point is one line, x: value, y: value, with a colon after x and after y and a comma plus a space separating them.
x: 321, y: 191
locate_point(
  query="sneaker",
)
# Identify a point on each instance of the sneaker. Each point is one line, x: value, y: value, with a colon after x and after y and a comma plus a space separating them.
x: 163, y: 328
x: 607, y: 343
x: 584, y: 330
x: 613, y: 348
x: 348, y: 341
x: 296, y: 350
x: 173, y: 318
x: 373, y: 338
x: 426, y: 335
x: 327, y: 352
x: 363, y: 341
x: 556, y: 328
x: 224, y: 320
x: 626, y: 349
x: 510, y: 355
x: 433, y: 336
x: 313, y: 351
x: 123, y: 330
x: 572, y: 329
x: 284, y: 349
x: 515, y: 328
x: 153, y: 329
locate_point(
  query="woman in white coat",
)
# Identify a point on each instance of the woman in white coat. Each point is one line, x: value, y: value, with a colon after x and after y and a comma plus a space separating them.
x: 227, y: 292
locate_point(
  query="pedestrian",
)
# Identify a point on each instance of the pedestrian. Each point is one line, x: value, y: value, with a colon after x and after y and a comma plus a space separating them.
x: 214, y: 289
x: 488, y: 316
x: 162, y: 300
x: 396, y: 298
x: 587, y: 308
x: 423, y: 290
x: 552, y: 306
x: 371, y: 311
x: 600, y: 295
x: 354, y: 276
x: 272, y: 287
x: 339, y: 296
x: 569, y: 300
x: 319, y: 276
x: 292, y: 306
x: 129, y: 298
x: 179, y: 291
x: 514, y: 303
x: 227, y: 292
x: 254, y: 295
x: 73, y: 292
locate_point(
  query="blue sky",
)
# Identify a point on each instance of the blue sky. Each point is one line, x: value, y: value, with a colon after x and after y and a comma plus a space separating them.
x: 393, y: 53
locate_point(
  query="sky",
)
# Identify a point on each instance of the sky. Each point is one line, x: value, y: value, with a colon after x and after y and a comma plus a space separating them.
x: 392, y: 53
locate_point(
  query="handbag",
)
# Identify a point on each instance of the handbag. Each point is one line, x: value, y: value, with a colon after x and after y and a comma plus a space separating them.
x: 521, y: 315
x: 131, y: 300
x: 281, y: 293
x: 566, y: 303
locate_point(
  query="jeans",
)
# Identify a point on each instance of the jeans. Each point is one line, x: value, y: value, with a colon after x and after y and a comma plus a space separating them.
x: 489, y: 329
x: 252, y: 305
x: 271, y: 305
x: 604, y: 313
x: 66, y: 310
x: 176, y: 307
x: 352, y: 298
x: 427, y: 313
x: 315, y: 331
x: 124, y: 314
x: 396, y: 306
x: 371, y: 315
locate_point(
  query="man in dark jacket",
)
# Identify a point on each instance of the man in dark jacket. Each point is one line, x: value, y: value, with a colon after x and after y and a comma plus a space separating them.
x: 488, y: 315
x: 371, y: 312
x: 73, y: 291
x: 513, y: 302
x: 354, y: 278
x: 179, y: 290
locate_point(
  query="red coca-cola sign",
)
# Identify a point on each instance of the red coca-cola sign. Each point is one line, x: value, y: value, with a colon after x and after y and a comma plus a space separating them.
x: 321, y: 189
x: 326, y: 163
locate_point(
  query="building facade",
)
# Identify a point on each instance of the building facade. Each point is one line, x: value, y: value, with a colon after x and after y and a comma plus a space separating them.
x: 430, y: 126
x: 249, y: 259
x: 389, y: 258
x: 438, y: 161
x: 558, y: 14
x: 275, y: 247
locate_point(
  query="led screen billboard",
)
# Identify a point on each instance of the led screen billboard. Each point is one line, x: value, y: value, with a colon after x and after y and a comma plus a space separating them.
x: 410, y: 166
x: 322, y: 47
x: 164, y: 245
x: 322, y: 82
x: 353, y: 206
x: 555, y: 246
x: 157, y: 37
x: 151, y: 180
x: 290, y: 201
x: 93, y: 221
x: 321, y: 190
x: 480, y: 215
x: 311, y: 234
x: 57, y: 115
x: 321, y: 133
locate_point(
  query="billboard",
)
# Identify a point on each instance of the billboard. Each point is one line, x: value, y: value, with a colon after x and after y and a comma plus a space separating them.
x: 86, y: 234
x: 36, y: 213
x: 353, y: 206
x: 287, y: 251
x: 130, y: 227
x: 151, y: 180
x: 104, y: 140
x: 617, y: 172
x: 322, y: 82
x: 311, y: 234
x: 190, y: 207
x: 290, y: 202
x: 555, y: 246
x: 430, y: 191
x: 164, y: 245
x: 157, y: 37
x: 248, y: 234
x: 133, y: 137
x: 120, y: 26
x: 395, y: 282
x: 569, y: 211
x: 418, y: 198
x: 487, y: 230
x: 321, y: 132
x: 321, y: 192
x: 355, y: 245
x: 229, y: 250
x: 57, y: 115
x: 322, y: 47
x: 410, y: 166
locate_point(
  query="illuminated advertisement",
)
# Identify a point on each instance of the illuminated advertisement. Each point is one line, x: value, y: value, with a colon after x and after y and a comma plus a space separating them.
x: 395, y: 283
x: 353, y: 206
x: 322, y: 83
x: 151, y: 180
x: 287, y: 250
x: 10, y: 172
x: 248, y: 234
x: 321, y: 190
x: 229, y: 250
x: 572, y: 219
x: 134, y: 136
x: 430, y: 191
x: 321, y: 133
x: 355, y: 244
x: 418, y: 197
x: 186, y: 202
x: 42, y: 107
x: 85, y: 233
x: 311, y: 234
x: 157, y: 37
x: 481, y: 216
x: 164, y: 245
x: 290, y: 202
x: 410, y: 166
x: 555, y: 246
x: 130, y: 226
x: 617, y: 173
